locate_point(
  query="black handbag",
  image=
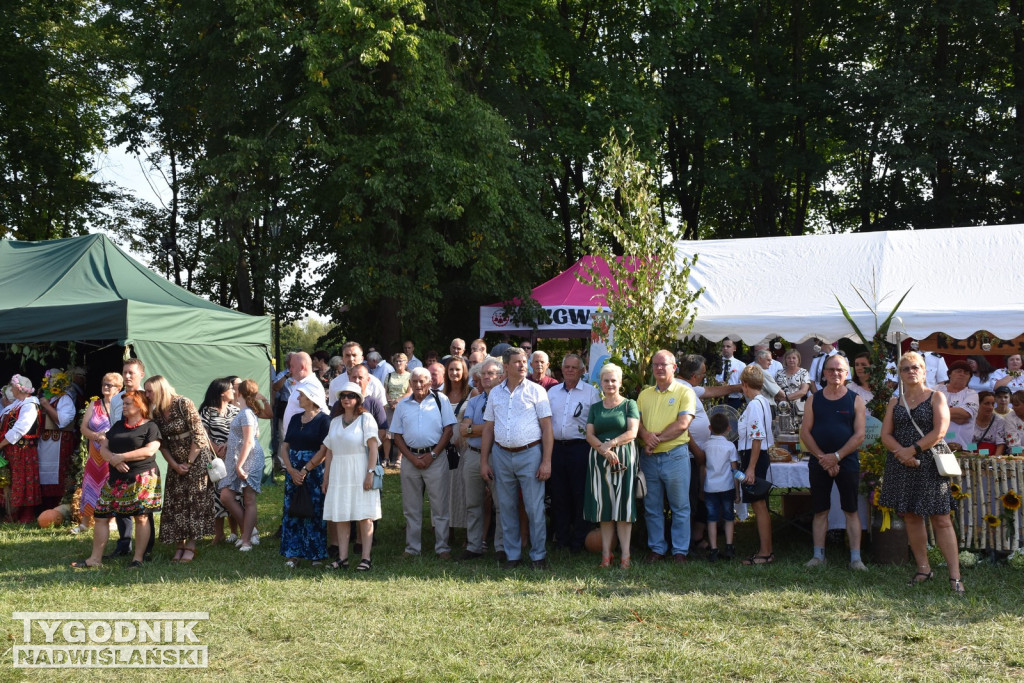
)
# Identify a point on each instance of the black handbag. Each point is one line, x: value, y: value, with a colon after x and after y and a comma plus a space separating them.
x: 451, y: 450
x: 301, y: 504
x: 759, y: 490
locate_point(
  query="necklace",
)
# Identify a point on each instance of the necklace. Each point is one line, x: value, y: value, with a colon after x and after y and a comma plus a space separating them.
x: 307, y: 417
x: 132, y: 426
x: 347, y: 422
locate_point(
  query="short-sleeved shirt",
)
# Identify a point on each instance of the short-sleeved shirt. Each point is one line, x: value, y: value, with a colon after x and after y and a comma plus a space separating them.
x: 569, y: 409
x: 217, y: 425
x: 755, y: 423
x: 659, y: 409
x: 719, y: 453
x: 700, y: 425
x: 309, y: 436
x: 1014, y: 430
x: 120, y: 439
x: 475, y: 407
x: 994, y: 433
x: 516, y: 414
x: 965, y: 399
x: 420, y: 422
x: 611, y: 422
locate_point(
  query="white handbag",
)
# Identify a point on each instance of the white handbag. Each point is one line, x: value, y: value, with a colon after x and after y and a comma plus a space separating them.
x: 945, y: 461
x: 216, y: 469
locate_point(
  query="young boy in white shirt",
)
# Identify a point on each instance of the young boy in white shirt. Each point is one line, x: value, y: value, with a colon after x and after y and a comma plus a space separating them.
x: 719, y: 485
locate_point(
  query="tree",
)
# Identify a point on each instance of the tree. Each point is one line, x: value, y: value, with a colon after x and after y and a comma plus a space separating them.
x: 647, y: 290
x: 58, y: 92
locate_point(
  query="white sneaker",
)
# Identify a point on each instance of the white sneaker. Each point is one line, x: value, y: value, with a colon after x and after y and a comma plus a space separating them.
x: 815, y: 562
x: 232, y: 538
x: 858, y: 566
x: 245, y: 548
x: 255, y: 538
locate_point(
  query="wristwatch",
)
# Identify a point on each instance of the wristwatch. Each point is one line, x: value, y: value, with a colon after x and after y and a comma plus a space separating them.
x: 434, y: 456
x: 917, y: 448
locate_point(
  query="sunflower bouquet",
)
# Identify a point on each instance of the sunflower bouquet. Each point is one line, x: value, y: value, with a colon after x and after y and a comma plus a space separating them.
x: 54, y: 383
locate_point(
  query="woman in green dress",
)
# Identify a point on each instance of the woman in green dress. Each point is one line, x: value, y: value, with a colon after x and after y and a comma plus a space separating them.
x: 612, y: 468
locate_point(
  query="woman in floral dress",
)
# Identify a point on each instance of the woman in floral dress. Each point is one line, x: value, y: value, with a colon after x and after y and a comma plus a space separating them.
x: 188, y: 504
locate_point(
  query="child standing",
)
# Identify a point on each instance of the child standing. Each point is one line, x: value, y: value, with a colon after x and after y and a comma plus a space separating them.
x: 719, y: 486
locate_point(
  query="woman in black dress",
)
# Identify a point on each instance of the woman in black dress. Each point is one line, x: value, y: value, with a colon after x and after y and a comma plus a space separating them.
x: 133, y: 487
x: 911, y: 483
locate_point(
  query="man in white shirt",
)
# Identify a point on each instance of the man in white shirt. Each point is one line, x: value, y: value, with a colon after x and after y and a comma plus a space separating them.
x: 408, y: 348
x: 730, y: 375
x: 818, y: 362
x: 936, y: 370
x: 422, y: 427
x: 352, y: 355
x: 570, y: 407
x: 378, y: 367
x: 518, y: 433
x: 774, y: 366
x: 300, y: 365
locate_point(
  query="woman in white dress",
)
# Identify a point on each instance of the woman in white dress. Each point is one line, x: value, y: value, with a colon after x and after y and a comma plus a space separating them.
x: 351, y: 447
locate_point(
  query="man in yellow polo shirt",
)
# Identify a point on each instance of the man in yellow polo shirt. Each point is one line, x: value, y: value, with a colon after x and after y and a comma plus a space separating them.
x: 666, y: 410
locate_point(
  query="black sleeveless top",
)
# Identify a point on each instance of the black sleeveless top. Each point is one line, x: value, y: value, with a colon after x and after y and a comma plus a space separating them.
x: 833, y: 423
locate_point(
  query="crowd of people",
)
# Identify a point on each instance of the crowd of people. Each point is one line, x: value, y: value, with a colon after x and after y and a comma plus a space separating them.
x: 494, y: 440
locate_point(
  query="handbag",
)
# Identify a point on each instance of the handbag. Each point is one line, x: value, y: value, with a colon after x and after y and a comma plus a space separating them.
x: 378, y: 479
x: 301, y: 504
x: 216, y: 469
x: 945, y: 461
x: 451, y: 450
x: 640, y: 485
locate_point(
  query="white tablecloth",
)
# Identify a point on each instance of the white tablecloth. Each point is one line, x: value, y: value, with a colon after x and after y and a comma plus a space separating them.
x: 793, y: 475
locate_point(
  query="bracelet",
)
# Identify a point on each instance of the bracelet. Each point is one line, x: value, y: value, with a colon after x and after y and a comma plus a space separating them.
x: 917, y: 448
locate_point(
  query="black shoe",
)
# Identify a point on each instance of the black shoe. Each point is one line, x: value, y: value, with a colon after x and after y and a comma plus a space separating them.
x: 500, y: 556
x: 540, y: 564
x: 510, y: 564
x: 470, y: 555
x: 713, y: 555
x: 729, y: 552
x: 119, y: 551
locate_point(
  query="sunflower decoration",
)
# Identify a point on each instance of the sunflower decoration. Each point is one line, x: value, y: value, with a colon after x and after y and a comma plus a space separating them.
x: 1010, y: 500
x: 55, y: 383
x: 886, y: 512
x: 957, y: 492
x: 992, y: 521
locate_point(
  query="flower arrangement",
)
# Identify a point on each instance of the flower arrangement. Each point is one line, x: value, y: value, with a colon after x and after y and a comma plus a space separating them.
x: 1016, y: 559
x: 54, y: 383
x: 968, y: 559
x: 886, y: 512
x: 993, y: 521
x: 872, y: 465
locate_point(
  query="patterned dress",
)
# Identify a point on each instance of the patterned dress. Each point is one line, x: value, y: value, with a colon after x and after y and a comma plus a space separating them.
x: 305, y: 538
x: 22, y: 455
x: 96, y: 469
x: 188, y: 504
x: 918, y: 490
x: 218, y: 427
x: 253, y: 463
x: 609, y: 494
x: 137, y: 491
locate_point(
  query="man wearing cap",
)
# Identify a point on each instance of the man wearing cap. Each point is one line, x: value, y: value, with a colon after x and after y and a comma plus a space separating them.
x: 1003, y: 408
x: 422, y: 427
x: 515, y: 453
x: 570, y: 407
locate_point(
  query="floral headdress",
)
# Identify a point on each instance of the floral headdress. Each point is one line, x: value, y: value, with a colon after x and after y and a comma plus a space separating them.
x: 23, y: 384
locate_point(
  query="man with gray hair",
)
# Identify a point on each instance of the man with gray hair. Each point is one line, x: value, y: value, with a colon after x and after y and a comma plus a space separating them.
x: 540, y: 363
x: 570, y: 408
x: 422, y: 427
x: 517, y: 432
x: 487, y: 375
x: 379, y: 367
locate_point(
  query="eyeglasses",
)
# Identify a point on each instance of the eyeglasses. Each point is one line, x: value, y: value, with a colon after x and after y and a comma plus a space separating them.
x: 911, y: 368
x: 107, y: 385
x: 347, y: 397
x: 492, y: 373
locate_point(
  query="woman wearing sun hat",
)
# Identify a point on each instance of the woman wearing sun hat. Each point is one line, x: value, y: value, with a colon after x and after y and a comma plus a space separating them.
x: 19, y: 439
x: 351, y: 447
x: 302, y: 455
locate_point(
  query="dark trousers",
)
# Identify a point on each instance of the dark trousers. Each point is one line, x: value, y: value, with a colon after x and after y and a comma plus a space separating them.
x: 567, y: 488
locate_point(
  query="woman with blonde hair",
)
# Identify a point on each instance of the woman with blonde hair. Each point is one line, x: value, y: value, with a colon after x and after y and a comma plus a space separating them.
x: 911, y: 484
x: 612, y: 426
x: 244, y: 460
x: 95, y: 424
x: 188, y: 511
x: 396, y: 387
x: 755, y: 438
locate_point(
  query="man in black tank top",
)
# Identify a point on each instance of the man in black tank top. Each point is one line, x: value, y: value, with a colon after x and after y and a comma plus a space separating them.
x: 832, y: 430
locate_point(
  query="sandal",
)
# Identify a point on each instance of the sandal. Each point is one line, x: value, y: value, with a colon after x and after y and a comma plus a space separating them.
x: 625, y: 563
x: 291, y: 564
x: 957, y: 586
x: 606, y: 562
x: 186, y: 560
x: 914, y: 580
x: 338, y: 564
x: 135, y: 564
x: 364, y: 565
x: 84, y: 564
x: 177, y: 555
x: 760, y: 559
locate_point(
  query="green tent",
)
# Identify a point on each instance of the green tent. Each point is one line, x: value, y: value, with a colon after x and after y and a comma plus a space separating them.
x: 86, y: 289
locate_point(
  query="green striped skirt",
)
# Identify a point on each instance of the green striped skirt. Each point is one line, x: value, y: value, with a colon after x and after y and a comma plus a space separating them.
x: 609, y: 496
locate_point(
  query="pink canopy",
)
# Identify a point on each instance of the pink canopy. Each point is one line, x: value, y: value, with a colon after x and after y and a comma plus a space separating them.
x: 570, y: 302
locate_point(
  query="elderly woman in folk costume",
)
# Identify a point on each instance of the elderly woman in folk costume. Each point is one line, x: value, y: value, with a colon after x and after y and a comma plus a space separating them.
x: 19, y: 435
x: 58, y: 439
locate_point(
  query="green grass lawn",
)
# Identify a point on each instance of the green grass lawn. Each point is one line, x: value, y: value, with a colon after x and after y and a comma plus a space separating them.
x: 428, y: 620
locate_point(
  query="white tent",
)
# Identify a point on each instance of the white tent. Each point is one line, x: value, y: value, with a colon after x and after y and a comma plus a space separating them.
x: 961, y: 280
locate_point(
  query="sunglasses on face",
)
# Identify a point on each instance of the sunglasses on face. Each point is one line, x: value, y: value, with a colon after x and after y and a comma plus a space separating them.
x: 347, y: 397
